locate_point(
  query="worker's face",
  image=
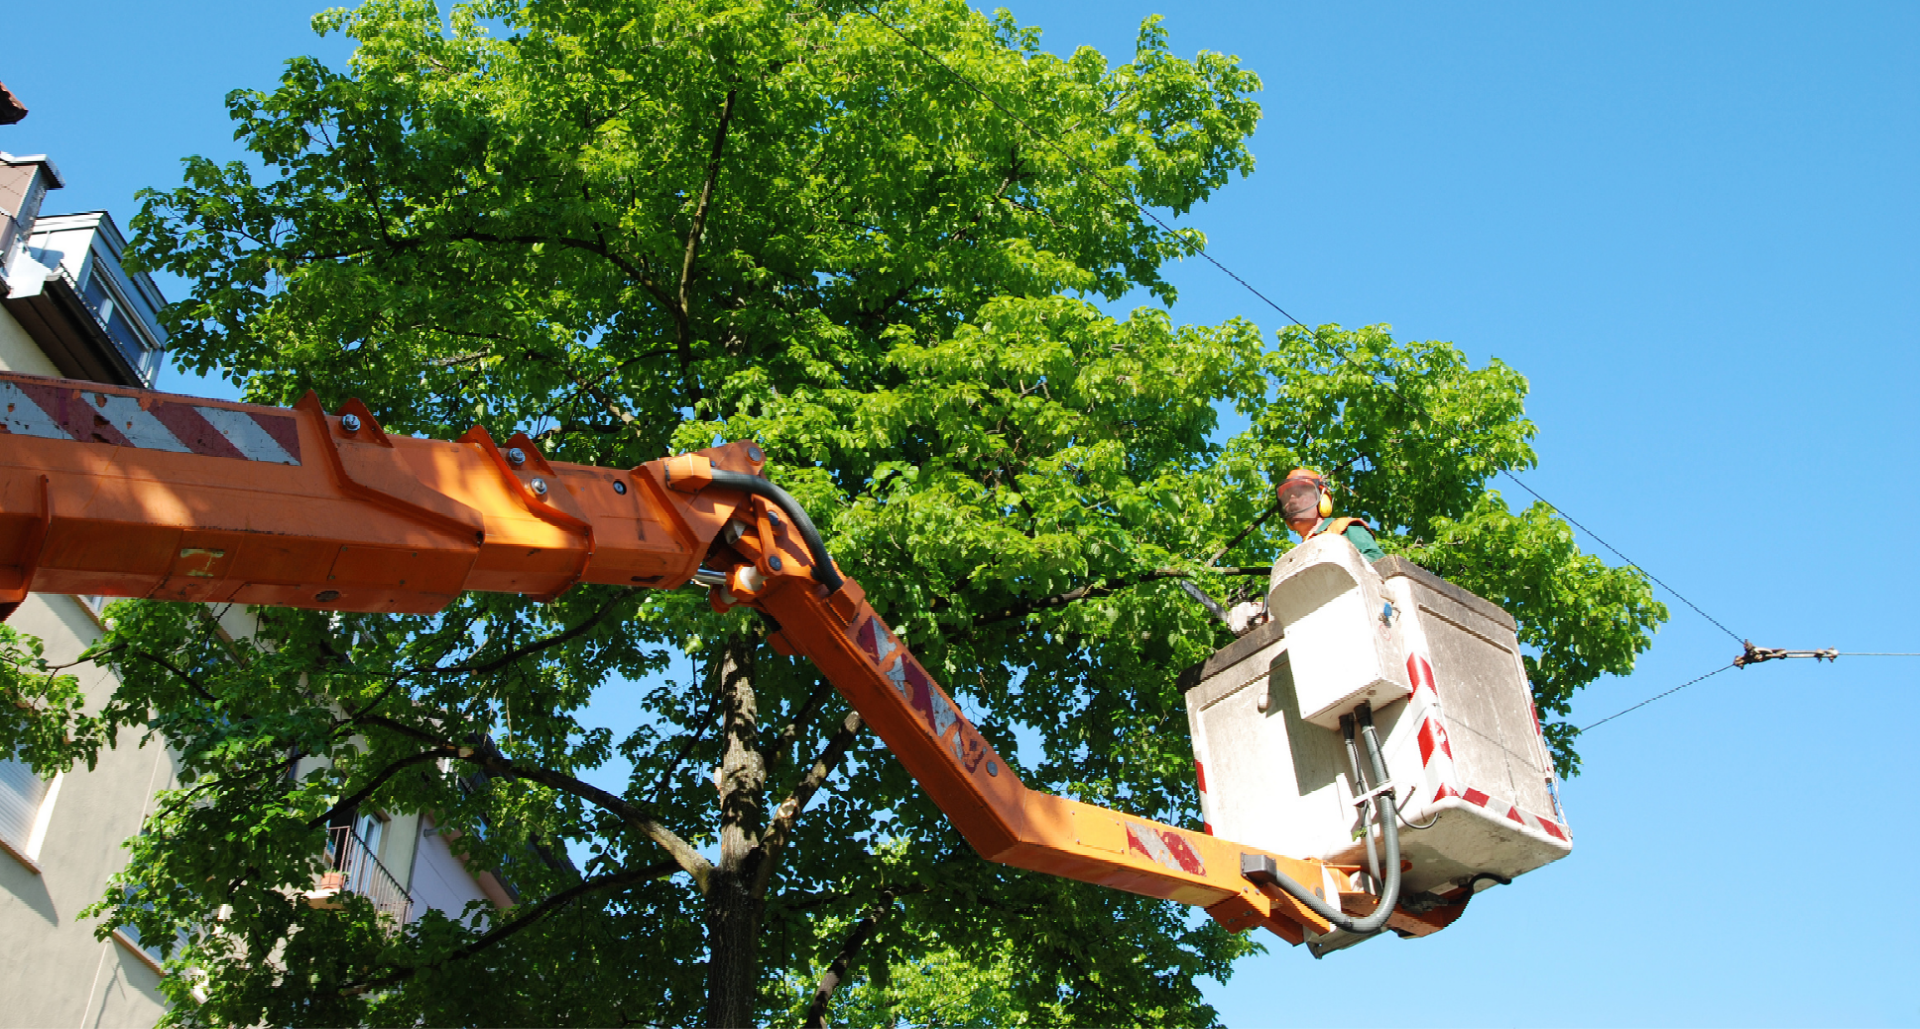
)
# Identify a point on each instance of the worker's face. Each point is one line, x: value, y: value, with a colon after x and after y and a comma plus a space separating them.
x: 1300, y: 505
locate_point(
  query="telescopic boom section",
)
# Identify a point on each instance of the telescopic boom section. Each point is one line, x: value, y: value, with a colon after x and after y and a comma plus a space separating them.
x: 132, y: 493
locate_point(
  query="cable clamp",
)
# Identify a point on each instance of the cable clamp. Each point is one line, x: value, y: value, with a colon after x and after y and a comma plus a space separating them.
x: 1385, y: 788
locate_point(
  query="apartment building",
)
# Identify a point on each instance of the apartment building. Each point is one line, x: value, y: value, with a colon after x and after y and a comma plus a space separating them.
x: 69, y: 308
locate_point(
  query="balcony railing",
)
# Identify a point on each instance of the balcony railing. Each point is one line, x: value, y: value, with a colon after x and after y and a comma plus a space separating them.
x: 354, y: 869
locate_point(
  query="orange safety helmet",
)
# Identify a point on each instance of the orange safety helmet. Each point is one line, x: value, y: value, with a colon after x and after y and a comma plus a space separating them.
x: 1305, y: 492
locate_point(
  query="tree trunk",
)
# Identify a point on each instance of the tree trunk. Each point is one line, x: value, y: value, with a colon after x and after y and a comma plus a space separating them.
x: 733, y: 911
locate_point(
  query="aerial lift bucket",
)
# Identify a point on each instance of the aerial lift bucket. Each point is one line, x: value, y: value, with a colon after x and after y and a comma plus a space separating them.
x: 1440, y: 668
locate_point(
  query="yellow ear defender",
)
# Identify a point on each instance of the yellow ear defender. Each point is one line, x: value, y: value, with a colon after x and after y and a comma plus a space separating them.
x: 1326, y: 504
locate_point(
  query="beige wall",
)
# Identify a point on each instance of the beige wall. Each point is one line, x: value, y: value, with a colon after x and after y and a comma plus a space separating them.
x: 54, y: 972
x: 18, y: 351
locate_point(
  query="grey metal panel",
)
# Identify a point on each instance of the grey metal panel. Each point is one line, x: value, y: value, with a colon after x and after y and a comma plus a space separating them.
x: 1330, y: 601
x: 1488, y: 704
x: 1391, y: 567
x: 1260, y: 637
x: 1265, y: 761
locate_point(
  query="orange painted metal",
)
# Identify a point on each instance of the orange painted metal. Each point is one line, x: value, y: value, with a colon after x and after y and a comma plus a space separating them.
x: 340, y: 515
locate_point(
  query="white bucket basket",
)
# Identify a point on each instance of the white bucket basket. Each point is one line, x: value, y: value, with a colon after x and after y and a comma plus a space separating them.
x: 1441, y: 668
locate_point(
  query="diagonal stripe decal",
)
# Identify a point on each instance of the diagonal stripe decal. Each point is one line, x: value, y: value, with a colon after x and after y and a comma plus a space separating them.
x: 283, y: 430
x: 189, y: 426
x: 139, y: 426
x: 51, y: 409
x: 246, y: 433
x: 25, y: 417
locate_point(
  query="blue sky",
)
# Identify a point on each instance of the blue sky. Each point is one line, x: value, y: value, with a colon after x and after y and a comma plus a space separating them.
x: 1694, y: 228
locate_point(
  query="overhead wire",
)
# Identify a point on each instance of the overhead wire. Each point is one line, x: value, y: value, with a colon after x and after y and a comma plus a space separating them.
x: 1199, y: 249
x: 1747, y: 658
x: 1655, y: 697
x: 1631, y: 563
x: 1059, y: 147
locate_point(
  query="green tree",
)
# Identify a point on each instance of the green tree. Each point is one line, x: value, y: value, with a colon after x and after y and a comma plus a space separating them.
x: 633, y: 226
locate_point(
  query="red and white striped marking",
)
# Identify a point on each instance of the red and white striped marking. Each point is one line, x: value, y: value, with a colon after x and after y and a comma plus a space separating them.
x: 1420, y: 673
x: 151, y: 423
x: 1433, y: 739
x: 1525, y: 819
x: 1437, y: 761
x: 1200, y: 773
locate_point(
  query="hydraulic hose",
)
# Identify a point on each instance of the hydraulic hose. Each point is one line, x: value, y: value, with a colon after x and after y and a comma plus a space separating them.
x: 824, y: 570
x: 1388, y: 820
x: 1366, y: 806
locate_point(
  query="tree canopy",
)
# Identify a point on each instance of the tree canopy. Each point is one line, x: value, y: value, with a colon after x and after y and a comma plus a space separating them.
x: 632, y: 227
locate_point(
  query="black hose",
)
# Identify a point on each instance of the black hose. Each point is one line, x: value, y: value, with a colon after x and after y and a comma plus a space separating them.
x: 1366, y: 808
x: 1389, y: 823
x: 824, y: 571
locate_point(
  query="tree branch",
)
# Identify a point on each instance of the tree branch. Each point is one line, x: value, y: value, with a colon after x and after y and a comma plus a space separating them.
x: 686, y: 749
x: 837, y: 968
x: 688, y: 858
x: 1272, y: 510
x: 525, y: 917
x: 784, y: 741
x: 1098, y: 589
x: 682, y: 312
x: 539, y: 645
x: 182, y: 676
x: 360, y: 796
x: 780, y: 826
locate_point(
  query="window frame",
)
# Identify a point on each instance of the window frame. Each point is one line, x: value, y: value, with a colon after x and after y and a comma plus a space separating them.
x: 27, y: 851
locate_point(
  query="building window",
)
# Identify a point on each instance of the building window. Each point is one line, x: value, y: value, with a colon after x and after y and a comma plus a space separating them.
x: 372, y: 828
x: 26, y: 805
x: 353, y: 855
x: 129, y: 937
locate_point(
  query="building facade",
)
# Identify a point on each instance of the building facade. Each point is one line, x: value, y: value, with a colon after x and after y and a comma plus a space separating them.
x: 69, y: 308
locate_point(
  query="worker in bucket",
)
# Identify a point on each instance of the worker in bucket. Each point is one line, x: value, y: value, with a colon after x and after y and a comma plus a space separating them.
x: 1305, y: 502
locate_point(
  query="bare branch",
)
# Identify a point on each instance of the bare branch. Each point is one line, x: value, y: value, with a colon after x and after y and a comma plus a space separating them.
x: 1090, y: 591
x: 379, y: 780
x: 1102, y: 588
x: 682, y: 311
x: 780, y: 826
x: 637, y: 819
x: 686, y: 749
x: 837, y: 968
x: 525, y: 917
x: 182, y: 676
x: 536, y: 646
x: 1272, y: 510
x: 784, y: 741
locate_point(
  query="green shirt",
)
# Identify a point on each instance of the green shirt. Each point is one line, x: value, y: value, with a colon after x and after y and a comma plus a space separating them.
x: 1361, y: 539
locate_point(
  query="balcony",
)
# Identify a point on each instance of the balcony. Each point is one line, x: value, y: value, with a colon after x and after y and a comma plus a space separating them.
x: 353, y: 868
x: 64, y: 284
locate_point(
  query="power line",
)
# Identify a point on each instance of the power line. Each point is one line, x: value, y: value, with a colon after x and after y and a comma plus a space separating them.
x: 1754, y: 655
x: 1655, y: 697
x: 1059, y: 147
x: 1616, y: 552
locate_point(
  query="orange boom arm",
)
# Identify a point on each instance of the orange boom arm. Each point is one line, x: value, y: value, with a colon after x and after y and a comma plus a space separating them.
x: 132, y: 493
